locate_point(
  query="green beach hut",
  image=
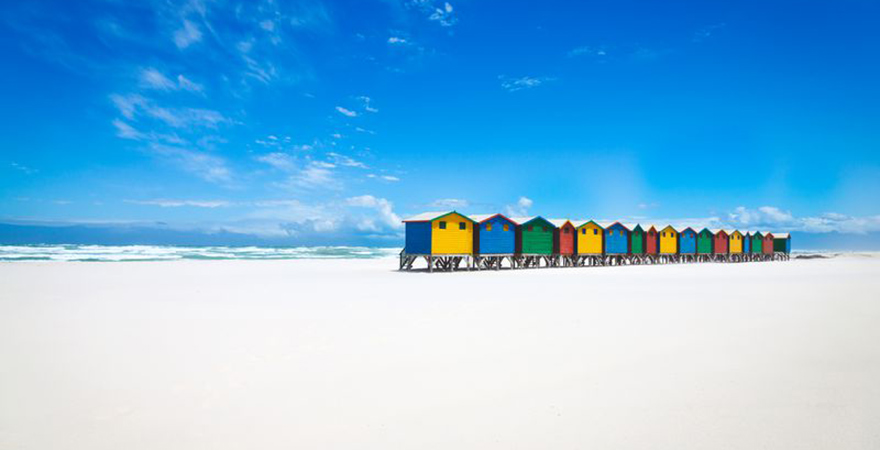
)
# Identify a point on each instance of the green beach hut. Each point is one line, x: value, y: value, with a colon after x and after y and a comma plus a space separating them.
x: 704, y: 241
x: 534, y: 235
x: 637, y: 240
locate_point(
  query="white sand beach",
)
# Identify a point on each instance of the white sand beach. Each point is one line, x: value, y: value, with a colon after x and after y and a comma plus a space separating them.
x: 351, y: 354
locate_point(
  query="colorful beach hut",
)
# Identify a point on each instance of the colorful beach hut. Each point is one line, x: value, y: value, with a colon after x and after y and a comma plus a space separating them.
x: 616, y: 238
x: 564, y: 238
x: 721, y: 244
x: 494, y: 234
x: 768, y: 243
x: 757, y: 242
x: 668, y: 240
x: 652, y: 239
x: 637, y: 240
x: 736, y: 242
x: 590, y: 238
x: 687, y: 243
x: 534, y: 235
x: 705, y: 241
x: 782, y: 242
x: 747, y: 241
x: 439, y: 233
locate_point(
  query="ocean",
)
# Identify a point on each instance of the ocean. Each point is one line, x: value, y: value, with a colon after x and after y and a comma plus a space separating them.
x: 99, y: 253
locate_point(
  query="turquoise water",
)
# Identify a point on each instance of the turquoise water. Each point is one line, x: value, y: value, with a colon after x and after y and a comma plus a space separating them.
x: 99, y: 253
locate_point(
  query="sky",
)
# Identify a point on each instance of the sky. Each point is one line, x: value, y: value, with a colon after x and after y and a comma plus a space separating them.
x: 326, y: 122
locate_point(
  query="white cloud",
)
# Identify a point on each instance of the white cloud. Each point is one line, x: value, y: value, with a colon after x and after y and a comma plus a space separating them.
x: 188, y: 34
x: 346, y: 112
x: 154, y: 79
x: 346, y: 161
x: 597, y: 52
x: 167, y: 203
x: 188, y: 85
x: 390, y: 178
x: 397, y: 40
x: 22, y: 168
x: 316, y: 175
x: 133, y: 105
x: 449, y: 203
x: 126, y: 131
x: 278, y: 160
x: 382, y: 206
x: 367, y: 107
x: 770, y: 218
x: 521, y: 208
x: 206, y: 166
x: 444, y: 15
x: 517, y: 84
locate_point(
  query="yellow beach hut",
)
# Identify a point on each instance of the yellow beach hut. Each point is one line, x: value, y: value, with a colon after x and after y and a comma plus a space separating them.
x: 668, y: 240
x: 589, y: 238
x: 736, y: 242
x: 440, y: 233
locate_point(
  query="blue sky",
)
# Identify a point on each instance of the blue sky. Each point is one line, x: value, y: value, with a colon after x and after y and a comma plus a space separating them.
x: 327, y: 121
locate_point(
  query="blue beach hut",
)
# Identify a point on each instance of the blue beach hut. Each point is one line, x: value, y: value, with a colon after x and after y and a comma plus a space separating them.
x: 687, y: 241
x: 495, y: 234
x: 616, y: 238
x: 747, y: 241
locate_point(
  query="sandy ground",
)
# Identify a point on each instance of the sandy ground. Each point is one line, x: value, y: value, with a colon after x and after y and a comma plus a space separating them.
x: 354, y: 355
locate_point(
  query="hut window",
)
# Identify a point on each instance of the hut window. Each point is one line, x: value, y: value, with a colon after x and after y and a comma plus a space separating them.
x: 506, y: 227
x: 595, y: 231
x: 583, y: 231
x: 442, y: 225
x: 531, y: 227
x: 621, y: 232
x: 462, y: 226
x: 565, y: 230
x: 488, y: 227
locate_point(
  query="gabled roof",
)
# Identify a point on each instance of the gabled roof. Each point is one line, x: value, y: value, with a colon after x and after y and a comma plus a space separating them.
x: 590, y: 221
x: 526, y: 220
x: 706, y: 229
x: 648, y: 226
x: 767, y: 233
x: 781, y: 235
x: 682, y: 229
x: 674, y: 228
x: 559, y: 223
x: 480, y: 218
x: 611, y: 224
x: 736, y: 231
x: 432, y: 216
x: 719, y: 230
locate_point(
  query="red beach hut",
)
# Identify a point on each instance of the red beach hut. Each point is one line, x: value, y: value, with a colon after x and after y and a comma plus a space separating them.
x: 722, y: 241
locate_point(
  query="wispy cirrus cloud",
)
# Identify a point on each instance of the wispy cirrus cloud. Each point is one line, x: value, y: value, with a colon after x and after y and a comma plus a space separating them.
x: 209, y: 167
x: 188, y: 34
x: 346, y: 112
x: 132, y: 106
x: 152, y: 78
x: 527, y: 82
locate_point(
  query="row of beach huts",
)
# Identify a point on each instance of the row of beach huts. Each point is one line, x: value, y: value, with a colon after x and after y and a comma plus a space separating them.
x: 450, y: 240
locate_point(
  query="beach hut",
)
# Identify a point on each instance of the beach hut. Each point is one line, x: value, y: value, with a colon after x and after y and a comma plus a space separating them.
x: 652, y: 239
x: 589, y: 238
x: 439, y: 233
x: 535, y: 235
x: 747, y: 242
x: 564, y: 239
x: 736, y: 242
x: 768, y: 243
x: 782, y: 242
x: 705, y: 241
x: 668, y: 241
x: 757, y: 242
x: 616, y: 238
x: 494, y: 234
x: 637, y: 240
x: 721, y: 244
x: 687, y: 243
